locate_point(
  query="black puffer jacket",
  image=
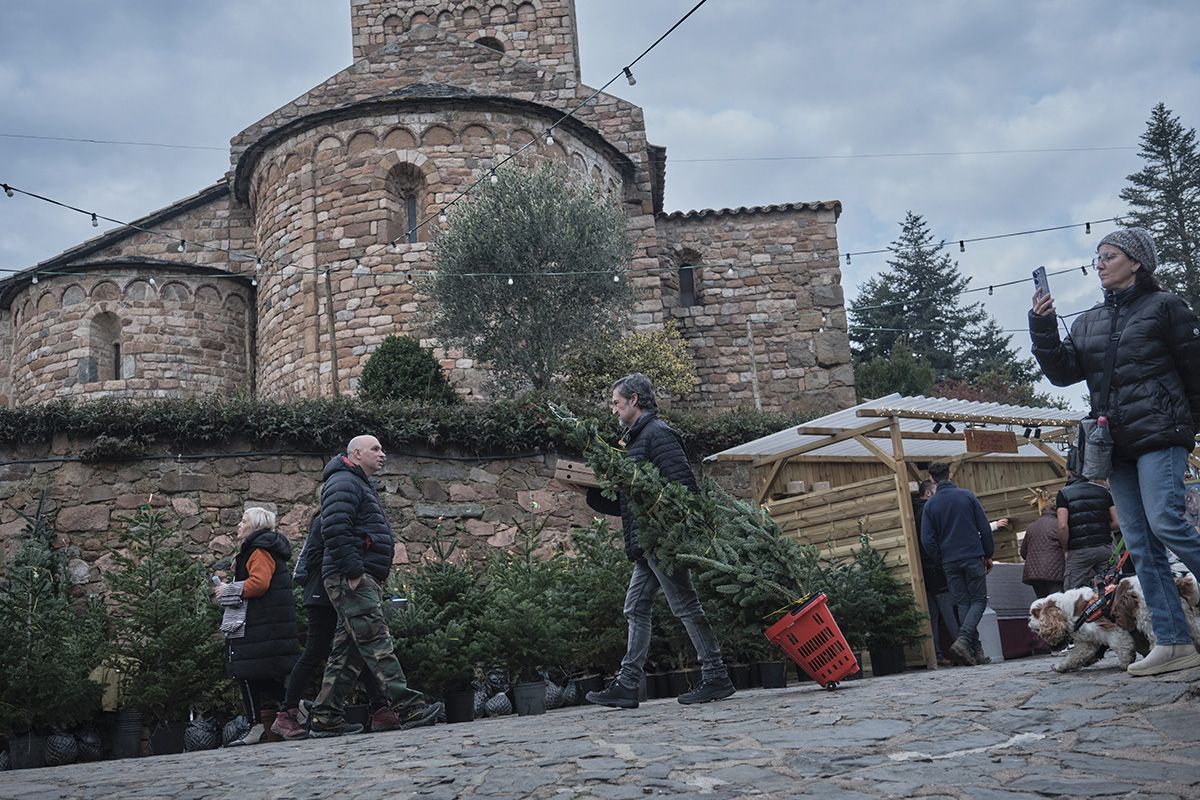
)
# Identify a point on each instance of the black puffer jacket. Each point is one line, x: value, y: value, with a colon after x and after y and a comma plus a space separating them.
x: 648, y: 439
x: 358, y: 537
x: 269, y: 647
x: 1155, y: 397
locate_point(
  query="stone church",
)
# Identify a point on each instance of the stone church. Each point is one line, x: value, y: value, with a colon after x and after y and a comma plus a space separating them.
x: 300, y: 283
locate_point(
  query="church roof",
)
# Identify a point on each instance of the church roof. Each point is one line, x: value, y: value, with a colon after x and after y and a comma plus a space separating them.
x: 819, y: 205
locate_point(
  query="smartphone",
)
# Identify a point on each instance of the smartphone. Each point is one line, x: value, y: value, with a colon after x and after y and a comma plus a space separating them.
x: 1040, y: 284
x: 215, y: 581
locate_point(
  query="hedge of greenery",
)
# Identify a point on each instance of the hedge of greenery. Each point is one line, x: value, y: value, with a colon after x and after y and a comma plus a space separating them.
x: 128, y: 429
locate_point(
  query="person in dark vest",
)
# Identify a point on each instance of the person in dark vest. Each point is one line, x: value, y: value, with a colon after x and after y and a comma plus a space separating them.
x: 1086, y: 520
x: 261, y: 649
x: 648, y: 438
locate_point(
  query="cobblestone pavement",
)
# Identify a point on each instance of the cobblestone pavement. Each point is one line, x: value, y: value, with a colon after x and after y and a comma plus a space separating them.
x: 1003, y: 731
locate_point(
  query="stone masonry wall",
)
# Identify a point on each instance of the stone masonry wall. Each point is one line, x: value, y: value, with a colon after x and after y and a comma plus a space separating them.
x: 183, y: 335
x: 477, y: 501
x: 785, y: 283
x: 541, y: 32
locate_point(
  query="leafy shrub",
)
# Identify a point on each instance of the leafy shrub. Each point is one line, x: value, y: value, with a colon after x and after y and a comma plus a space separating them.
x: 663, y: 356
x: 400, y: 369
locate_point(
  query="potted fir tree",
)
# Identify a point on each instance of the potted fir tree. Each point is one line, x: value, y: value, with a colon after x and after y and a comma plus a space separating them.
x: 48, y: 647
x: 524, y: 615
x: 165, y: 628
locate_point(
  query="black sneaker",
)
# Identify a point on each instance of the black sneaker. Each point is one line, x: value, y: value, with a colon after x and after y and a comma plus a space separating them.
x: 615, y: 696
x: 342, y: 728
x: 420, y: 716
x: 708, y: 691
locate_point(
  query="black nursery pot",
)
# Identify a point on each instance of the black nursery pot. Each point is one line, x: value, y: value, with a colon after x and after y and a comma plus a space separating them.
x: 740, y: 675
x: 460, y: 705
x: 166, y: 738
x: 887, y: 660
x: 774, y: 674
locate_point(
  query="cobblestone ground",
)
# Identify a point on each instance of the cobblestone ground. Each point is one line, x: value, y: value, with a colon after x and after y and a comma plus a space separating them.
x: 1012, y: 731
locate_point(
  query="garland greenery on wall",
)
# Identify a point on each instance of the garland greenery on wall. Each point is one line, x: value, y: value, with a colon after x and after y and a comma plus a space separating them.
x: 129, y: 429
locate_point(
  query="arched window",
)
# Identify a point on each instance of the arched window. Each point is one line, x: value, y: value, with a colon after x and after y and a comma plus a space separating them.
x: 406, y: 190
x: 104, y: 361
x: 491, y: 42
x: 688, y: 296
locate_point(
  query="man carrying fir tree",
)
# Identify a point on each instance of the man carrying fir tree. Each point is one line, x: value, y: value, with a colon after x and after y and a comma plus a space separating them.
x: 648, y: 438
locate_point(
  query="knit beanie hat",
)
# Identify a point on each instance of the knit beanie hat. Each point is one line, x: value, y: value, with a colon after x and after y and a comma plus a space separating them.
x: 1137, y: 244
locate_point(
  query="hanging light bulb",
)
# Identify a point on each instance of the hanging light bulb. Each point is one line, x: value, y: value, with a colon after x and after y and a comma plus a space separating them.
x: 616, y: 278
x: 962, y: 246
x: 629, y: 76
x: 254, y: 281
x: 731, y: 272
x: 990, y: 291
x: 1087, y: 227
x: 7, y: 189
x: 34, y: 278
x: 847, y: 259
x: 258, y: 265
x: 182, y: 246
x: 510, y: 280
x: 394, y: 246
x: 494, y: 177
x: 151, y: 280
x: 549, y: 137
x: 1084, y: 269
x: 95, y: 221
x: 442, y: 217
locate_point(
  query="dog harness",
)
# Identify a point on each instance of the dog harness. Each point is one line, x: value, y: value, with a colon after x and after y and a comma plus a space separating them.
x: 1105, y: 586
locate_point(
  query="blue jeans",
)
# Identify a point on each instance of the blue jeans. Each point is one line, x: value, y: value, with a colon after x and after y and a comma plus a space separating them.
x: 968, y: 586
x: 646, y: 580
x: 941, y: 609
x: 1149, y: 500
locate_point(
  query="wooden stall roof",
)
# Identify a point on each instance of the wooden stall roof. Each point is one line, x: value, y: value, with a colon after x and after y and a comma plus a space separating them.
x: 833, y: 437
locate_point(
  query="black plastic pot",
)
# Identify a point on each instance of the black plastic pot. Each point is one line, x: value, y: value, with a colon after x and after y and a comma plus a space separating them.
x: 166, y: 738
x: 774, y: 674
x: 27, y: 752
x: 887, y: 660
x: 460, y: 705
x: 530, y: 698
x: 127, y: 734
x: 740, y: 675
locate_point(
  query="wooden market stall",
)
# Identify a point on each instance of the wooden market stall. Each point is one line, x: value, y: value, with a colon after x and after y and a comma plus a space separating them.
x: 855, y: 471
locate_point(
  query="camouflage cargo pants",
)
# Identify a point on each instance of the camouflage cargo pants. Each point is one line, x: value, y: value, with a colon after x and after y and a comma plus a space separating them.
x: 362, y: 641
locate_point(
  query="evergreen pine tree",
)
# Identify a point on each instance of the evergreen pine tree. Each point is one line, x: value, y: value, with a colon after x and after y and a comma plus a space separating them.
x: 918, y: 301
x: 1164, y: 197
x: 165, y: 624
x: 48, y: 649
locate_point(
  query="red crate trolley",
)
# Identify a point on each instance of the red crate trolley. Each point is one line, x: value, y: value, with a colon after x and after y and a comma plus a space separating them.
x: 811, y: 637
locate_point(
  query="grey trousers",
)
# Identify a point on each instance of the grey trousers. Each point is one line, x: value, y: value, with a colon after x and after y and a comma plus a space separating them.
x: 1083, y: 564
x: 646, y: 580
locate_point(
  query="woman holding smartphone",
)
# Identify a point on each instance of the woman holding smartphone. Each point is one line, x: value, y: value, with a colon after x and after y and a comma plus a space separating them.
x: 1153, y: 410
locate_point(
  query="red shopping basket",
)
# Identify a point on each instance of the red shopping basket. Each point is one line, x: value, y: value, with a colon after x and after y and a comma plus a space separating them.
x: 811, y: 638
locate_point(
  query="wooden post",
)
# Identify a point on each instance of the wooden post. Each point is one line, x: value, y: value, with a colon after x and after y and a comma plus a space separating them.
x: 911, y: 546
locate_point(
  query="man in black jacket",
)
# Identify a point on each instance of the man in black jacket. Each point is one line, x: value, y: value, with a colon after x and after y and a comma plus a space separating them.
x: 648, y: 438
x: 355, y: 567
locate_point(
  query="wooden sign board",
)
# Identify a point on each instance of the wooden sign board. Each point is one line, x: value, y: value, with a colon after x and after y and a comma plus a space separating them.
x: 985, y: 441
x: 576, y: 472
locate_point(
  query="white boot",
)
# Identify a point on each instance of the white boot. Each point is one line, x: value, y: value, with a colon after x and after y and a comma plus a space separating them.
x: 1165, y: 658
x: 255, y: 736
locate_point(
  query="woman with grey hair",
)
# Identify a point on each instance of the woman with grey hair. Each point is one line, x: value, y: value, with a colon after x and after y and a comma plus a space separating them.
x: 1139, y: 352
x: 260, y: 620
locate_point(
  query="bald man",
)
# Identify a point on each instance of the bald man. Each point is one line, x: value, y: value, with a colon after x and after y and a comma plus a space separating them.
x: 358, y: 557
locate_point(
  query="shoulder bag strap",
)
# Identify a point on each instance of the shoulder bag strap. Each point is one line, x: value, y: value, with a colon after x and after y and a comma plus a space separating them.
x: 1110, y: 358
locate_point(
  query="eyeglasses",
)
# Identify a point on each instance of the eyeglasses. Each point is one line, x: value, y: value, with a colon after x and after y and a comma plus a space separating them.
x: 1104, y: 258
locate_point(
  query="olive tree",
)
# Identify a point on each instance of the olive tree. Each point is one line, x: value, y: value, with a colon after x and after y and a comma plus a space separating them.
x: 529, y: 268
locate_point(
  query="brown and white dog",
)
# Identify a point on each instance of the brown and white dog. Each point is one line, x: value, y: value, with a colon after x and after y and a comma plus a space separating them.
x: 1053, y: 618
x: 1129, y: 607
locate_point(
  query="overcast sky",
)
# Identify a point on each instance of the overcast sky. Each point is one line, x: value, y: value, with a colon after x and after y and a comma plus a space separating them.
x: 740, y: 79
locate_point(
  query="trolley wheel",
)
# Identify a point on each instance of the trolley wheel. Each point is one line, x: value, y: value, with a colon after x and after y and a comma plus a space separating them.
x: 831, y: 685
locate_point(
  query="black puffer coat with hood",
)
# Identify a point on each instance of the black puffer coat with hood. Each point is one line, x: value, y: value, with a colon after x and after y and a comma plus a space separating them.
x: 358, y: 536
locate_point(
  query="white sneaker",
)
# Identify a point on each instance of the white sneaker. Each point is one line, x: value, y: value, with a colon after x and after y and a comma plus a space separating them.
x: 1165, y: 658
x: 256, y: 735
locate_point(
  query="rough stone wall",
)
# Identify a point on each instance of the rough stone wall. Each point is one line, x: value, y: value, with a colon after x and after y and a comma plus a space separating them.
x: 785, y: 283
x: 183, y: 335
x: 323, y: 201
x: 542, y: 32
x: 477, y: 502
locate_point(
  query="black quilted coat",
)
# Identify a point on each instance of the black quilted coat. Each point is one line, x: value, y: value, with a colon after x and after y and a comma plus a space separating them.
x: 648, y: 439
x: 269, y: 647
x: 1155, y: 397
x: 358, y: 537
